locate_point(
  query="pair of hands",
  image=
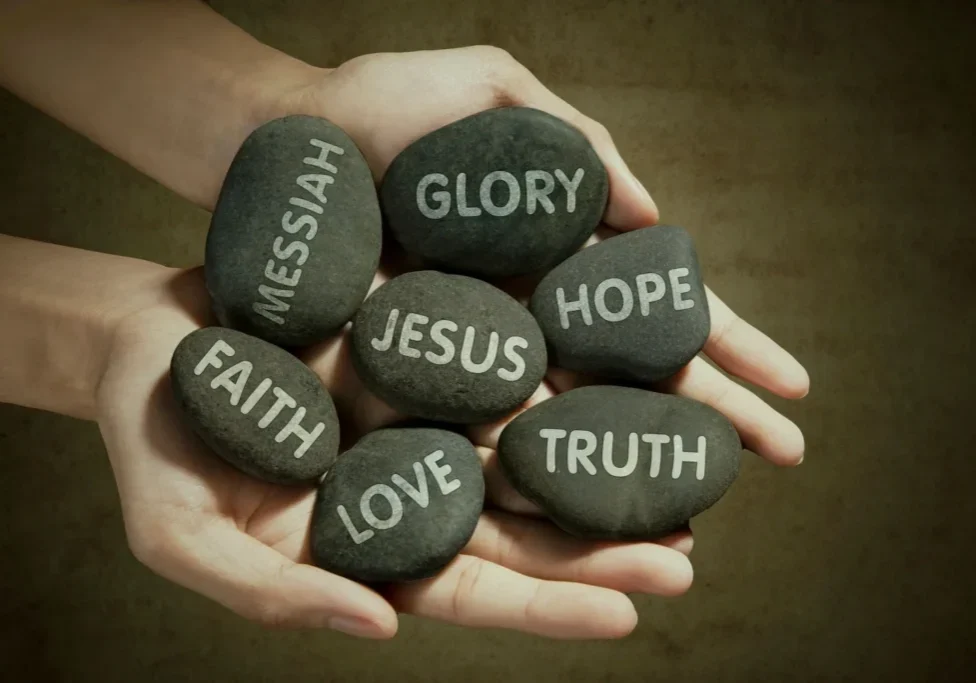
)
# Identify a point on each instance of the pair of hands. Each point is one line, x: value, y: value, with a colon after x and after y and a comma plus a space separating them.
x: 243, y: 543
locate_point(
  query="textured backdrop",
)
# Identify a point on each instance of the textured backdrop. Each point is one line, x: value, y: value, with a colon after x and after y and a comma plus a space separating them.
x: 822, y: 154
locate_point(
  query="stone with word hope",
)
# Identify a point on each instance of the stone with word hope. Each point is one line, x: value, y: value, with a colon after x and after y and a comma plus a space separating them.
x: 447, y: 347
x: 255, y: 405
x: 632, y: 307
x: 503, y: 192
x: 618, y: 463
x: 398, y: 506
x: 295, y: 237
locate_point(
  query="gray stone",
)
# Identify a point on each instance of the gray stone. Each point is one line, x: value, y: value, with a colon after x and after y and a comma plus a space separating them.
x: 255, y: 405
x: 294, y: 240
x: 503, y: 192
x: 630, y: 308
x: 398, y: 506
x: 447, y: 347
x: 618, y: 463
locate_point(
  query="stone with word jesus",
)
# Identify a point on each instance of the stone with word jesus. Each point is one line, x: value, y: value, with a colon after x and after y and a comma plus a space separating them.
x: 447, y: 347
x: 255, y: 405
x: 618, y: 463
x: 295, y: 237
x: 398, y: 506
x: 630, y: 308
x: 503, y: 192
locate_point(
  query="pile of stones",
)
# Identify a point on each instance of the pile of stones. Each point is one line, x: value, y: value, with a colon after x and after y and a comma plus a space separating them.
x: 293, y: 246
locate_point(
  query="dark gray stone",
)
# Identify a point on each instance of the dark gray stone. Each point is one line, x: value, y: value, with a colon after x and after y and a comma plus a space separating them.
x: 643, y: 314
x: 398, y: 506
x: 255, y: 405
x: 471, y: 197
x: 295, y: 237
x: 471, y: 353
x: 624, y: 492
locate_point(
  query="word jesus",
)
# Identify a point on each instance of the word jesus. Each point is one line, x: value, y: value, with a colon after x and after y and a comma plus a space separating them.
x: 271, y: 302
x: 411, y: 332
x: 538, y: 186
x: 582, y: 444
x: 419, y: 493
x: 235, y: 378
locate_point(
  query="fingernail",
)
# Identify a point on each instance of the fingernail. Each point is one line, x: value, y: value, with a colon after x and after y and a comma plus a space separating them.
x: 361, y: 628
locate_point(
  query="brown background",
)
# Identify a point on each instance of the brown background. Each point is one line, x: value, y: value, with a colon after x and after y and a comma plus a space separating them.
x: 821, y: 154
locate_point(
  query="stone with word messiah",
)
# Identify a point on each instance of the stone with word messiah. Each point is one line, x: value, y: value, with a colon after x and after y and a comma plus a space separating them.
x: 294, y: 240
x: 398, y: 506
x: 631, y: 308
x: 255, y: 405
x: 618, y: 463
x: 503, y: 192
x: 447, y: 347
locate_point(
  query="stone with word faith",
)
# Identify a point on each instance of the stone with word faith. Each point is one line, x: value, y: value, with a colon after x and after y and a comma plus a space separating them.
x: 618, y: 463
x: 255, y: 405
x: 398, y: 506
x: 447, y: 347
x: 294, y: 240
x: 503, y: 192
x: 630, y: 308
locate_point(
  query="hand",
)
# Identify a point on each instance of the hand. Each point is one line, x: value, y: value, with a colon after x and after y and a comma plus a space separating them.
x: 387, y: 101
x: 244, y: 543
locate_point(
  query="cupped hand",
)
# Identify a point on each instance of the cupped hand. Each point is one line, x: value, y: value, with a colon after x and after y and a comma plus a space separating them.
x: 244, y: 543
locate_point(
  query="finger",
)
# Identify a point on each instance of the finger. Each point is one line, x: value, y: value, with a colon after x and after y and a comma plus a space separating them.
x: 498, y: 490
x: 540, y: 549
x: 682, y: 541
x: 257, y: 582
x: 742, y: 350
x: 487, y: 434
x: 473, y: 592
x: 630, y: 205
x: 763, y: 430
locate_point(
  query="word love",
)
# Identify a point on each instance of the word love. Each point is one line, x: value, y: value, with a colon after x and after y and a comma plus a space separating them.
x: 418, y: 492
x: 582, y: 444
x: 649, y: 288
x: 235, y: 378
x: 538, y: 186
x: 271, y: 302
x: 410, y: 332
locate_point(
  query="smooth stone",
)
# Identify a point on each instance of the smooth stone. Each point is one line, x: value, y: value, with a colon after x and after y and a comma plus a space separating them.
x: 295, y: 237
x: 398, y: 506
x: 669, y: 458
x: 255, y: 405
x: 503, y: 192
x: 447, y: 347
x: 631, y: 308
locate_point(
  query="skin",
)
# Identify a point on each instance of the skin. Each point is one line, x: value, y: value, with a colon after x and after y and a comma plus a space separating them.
x: 179, y: 114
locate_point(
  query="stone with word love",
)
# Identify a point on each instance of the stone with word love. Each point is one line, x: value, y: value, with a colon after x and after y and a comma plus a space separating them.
x: 255, y: 405
x: 398, y: 506
x: 631, y: 308
x: 618, y: 463
x: 295, y: 236
x: 447, y: 347
x: 503, y: 192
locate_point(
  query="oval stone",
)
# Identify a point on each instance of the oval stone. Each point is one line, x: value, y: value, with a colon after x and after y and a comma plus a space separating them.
x: 398, y: 506
x: 503, y: 192
x: 255, y: 405
x: 294, y: 240
x: 447, y: 347
x: 618, y: 463
x: 632, y: 307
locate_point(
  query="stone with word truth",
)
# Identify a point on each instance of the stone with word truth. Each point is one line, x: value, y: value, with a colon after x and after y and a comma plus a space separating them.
x: 295, y: 237
x: 618, y: 463
x: 447, y: 347
x: 398, y: 506
x: 503, y: 192
x: 632, y: 307
x: 255, y: 405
